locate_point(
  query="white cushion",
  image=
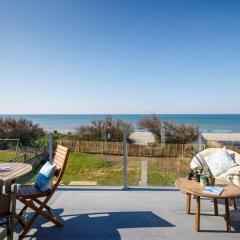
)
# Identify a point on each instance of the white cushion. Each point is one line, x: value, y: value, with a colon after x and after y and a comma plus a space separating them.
x: 219, y: 162
x: 232, y: 175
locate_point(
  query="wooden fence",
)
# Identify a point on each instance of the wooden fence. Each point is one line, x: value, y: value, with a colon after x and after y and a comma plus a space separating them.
x: 116, y: 148
x: 28, y: 155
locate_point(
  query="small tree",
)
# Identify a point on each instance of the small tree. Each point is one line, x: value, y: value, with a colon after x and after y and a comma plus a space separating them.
x: 153, y: 124
x: 174, y: 133
x: 22, y: 129
x: 104, y: 130
x: 180, y: 133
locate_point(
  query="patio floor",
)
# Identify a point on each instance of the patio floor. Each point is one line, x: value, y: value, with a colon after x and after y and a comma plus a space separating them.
x: 97, y: 213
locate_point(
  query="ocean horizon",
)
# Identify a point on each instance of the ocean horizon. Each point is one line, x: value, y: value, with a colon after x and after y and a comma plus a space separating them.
x: 69, y: 122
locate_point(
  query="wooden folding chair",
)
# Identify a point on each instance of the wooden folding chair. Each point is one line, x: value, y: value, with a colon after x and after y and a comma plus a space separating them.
x: 8, y: 206
x: 36, y: 200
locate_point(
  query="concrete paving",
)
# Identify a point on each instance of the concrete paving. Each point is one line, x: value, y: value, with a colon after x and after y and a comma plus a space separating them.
x: 94, y: 213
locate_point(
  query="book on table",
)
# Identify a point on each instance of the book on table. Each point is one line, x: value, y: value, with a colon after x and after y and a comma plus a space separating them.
x: 214, y: 190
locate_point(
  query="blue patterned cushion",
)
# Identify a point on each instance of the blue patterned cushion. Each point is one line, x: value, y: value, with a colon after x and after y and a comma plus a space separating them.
x: 44, y: 178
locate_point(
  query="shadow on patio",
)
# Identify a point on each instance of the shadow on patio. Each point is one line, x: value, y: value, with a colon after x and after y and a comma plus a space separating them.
x: 94, y: 226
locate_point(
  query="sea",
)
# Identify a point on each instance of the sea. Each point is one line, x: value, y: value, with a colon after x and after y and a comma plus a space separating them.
x: 223, y: 123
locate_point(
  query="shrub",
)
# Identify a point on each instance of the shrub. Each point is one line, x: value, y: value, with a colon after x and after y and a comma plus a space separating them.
x: 22, y: 129
x: 153, y: 124
x: 107, y: 129
x: 180, y: 133
x: 174, y: 133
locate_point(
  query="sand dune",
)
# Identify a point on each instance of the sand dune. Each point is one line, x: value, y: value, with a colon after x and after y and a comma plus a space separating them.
x: 222, y: 137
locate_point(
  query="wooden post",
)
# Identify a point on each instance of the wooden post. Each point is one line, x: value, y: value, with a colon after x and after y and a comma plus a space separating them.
x: 215, y: 206
x: 228, y: 222
x: 78, y: 146
x: 25, y: 157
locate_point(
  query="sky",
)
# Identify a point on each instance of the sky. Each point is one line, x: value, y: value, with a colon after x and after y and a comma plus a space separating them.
x: 118, y: 56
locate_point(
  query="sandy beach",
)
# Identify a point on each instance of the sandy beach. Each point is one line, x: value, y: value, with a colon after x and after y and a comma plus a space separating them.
x: 143, y: 138
x: 222, y: 137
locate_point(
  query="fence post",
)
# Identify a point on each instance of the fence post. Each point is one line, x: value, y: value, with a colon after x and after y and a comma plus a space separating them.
x: 50, y: 147
x: 25, y: 157
x: 78, y: 146
x: 125, y: 180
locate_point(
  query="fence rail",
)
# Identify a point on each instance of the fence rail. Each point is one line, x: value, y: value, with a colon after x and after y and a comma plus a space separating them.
x: 116, y: 148
x: 26, y: 156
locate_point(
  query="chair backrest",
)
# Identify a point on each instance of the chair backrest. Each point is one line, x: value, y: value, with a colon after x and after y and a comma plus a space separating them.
x: 60, y: 159
x: 209, y: 151
x: 7, y: 199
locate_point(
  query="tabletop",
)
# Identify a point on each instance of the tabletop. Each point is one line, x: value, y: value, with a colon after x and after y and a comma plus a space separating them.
x: 10, y: 171
x: 195, y: 188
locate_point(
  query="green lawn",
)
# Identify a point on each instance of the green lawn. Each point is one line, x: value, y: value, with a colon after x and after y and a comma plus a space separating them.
x: 90, y: 167
x: 156, y: 177
x: 105, y: 170
x: 6, y: 155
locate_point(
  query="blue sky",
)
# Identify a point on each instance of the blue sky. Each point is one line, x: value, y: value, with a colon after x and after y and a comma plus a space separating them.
x: 117, y: 56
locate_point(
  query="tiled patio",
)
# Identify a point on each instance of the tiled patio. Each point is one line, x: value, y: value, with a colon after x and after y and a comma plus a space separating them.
x: 94, y: 213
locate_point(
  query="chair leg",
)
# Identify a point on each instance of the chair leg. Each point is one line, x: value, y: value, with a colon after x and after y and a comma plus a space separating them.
x: 9, y: 228
x: 28, y: 226
x: 38, y: 211
x: 23, y: 210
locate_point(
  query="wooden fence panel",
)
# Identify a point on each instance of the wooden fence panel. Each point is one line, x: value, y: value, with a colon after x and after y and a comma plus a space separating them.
x: 116, y: 148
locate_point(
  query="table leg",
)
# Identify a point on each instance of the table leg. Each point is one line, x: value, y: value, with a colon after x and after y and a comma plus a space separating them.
x: 188, y: 205
x: 215, y: 206
x: 234, y: 205
x: 228, y: 221
x: 197, y: 216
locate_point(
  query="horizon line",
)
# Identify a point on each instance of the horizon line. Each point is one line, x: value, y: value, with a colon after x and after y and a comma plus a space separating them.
x: 119, y: 114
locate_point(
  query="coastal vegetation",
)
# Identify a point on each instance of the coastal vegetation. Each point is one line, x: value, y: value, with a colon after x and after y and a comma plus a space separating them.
x: 104, y: 167
x: 169, y: 132
x: 24, y: 130
x: 104, y: 130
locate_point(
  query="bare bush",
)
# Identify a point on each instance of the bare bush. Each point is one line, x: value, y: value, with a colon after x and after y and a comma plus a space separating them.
x: 153, y: 124
x: 104, y: 130
x: 180, y: 133
x: 22, y: 129
x: 174, y: 133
